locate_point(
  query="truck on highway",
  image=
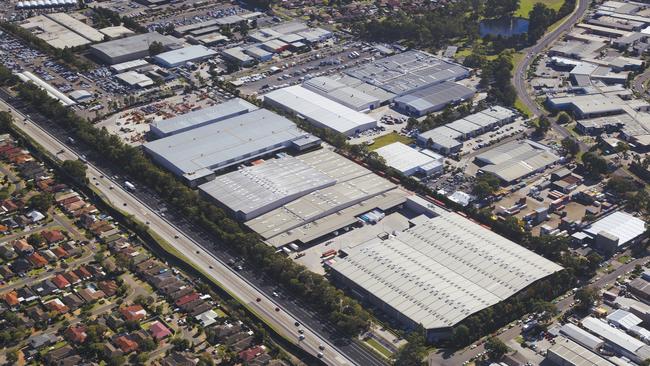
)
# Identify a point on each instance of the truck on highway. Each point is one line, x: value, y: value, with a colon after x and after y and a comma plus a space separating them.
x: 129, y: 185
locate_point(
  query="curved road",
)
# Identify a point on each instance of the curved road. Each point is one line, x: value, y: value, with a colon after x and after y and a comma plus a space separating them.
x: 519, y: 79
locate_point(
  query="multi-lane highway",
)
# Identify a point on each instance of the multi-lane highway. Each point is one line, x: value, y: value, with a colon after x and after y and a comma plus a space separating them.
x: 519, y: 79
x: 281, y: 313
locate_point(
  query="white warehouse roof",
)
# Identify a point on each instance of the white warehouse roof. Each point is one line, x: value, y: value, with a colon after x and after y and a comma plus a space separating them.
x: 442, y: 270
x: 184, y: 55
x: 408, y: 161
x: 321, y: 111
x: 573, y: 354
x: 620, y: 224
x: 262, y: 187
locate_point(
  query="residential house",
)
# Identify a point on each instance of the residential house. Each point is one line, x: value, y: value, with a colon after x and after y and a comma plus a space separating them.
x: 159, y: 331
x: 72, y: 277
x: 179, y: 359
x: 52, y: 236
x: 133, y: 312
x: 90, y: 294
x: 76, y: 334
x: 22, y: 247
x: 11, y: 298
x: 7, y: 252
x: 249, y: 354
x: 125, y: 344
x: 6, y: 272
x: 57, y: 305
x: 21, y: 265
x: 61, y: 282
x: 45, y: 287
x: 42, y: 340
x: 54, y: 357
x: 83, y: 273
x: 72, y: 301
x: 109, y: 287
x: 60, y: 252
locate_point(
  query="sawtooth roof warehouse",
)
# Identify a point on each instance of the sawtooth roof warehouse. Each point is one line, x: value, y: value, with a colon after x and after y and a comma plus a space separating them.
x: 439, y: 272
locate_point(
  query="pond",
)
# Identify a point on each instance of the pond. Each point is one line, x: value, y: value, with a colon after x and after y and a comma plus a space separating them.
x: 504, y: 26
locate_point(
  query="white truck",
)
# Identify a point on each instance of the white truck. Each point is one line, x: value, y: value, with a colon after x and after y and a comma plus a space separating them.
x: 129, y: 185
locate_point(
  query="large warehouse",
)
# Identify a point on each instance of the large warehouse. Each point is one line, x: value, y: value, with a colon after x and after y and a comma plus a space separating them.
x: 439, y: 272
x: 184, y: 55
x: 567, y: 353
x: 196, y: 154
x: 409, y: 71
x: 616, y: 231
x: 410, y: 161
x: 433, y: 98
x: 130, y: 48
x: 257, y: 189
x: 342, y: 93
x: 201, y: 117
x: 323, y: 211
x: 516, y: 160
x: 319, y: 110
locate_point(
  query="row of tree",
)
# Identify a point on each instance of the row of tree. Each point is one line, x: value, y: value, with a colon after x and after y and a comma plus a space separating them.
x: 347, y: 316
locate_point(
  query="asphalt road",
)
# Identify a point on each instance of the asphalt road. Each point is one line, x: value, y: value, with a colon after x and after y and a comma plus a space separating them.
x: 199, y: 248
x: 519, y: 79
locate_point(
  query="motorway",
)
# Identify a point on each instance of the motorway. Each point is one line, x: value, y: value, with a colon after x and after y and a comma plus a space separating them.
x: 199, y: 248
x: 519, y: 79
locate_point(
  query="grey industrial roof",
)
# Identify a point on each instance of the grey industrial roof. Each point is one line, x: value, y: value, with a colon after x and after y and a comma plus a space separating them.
x: 317, y: 108
x: 377, y: 92
x: 257, y: 189
x: 202, y: 117
x: 439, y: 139
x: 126, y: 46
x: 581, y: 336
x: 185, y: 54
x: 615, y: 336
x: 298, y: 219
x: 442, y: 270
x: 406, y: 72
x: 405, y: 158
x: 576, y: 355
x: 238, y: 54
x: 516, y: 159
x: 464, y: 126
x: 196, y: 152
x: 435, y: 95
x: 591, y: 104
x: 620, y: 224
x: 624, y: 319
x: 339, y: 92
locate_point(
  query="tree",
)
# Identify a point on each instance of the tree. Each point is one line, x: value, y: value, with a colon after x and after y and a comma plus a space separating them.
x: 485, y: 185
x: 594, y: 164
x: 461, y: 336
x: 500, y: 8
x: 563, y: 118
x: 116, y: 360
x: 413, y: 353
x: 621, y: 185
x: 539, y: 18
x: 543, y: 125
x: 570, y: 145
x: 76, y: 169
x: 155, y: 48
x: 41, y: 202
x: 495, y: 348
x: 585, y: 297
x: 35, y: 240
x: 5, y: 121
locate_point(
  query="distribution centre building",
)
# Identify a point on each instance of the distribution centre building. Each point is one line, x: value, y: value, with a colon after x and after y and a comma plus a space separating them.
x: 201, y: 117
x: 615, y: 231
x: 409, y: 161
x: 438, y: 272
x: 130, y: 48
x: 342, y: 93
x: 433, y: 98
x: 319, y: 110
x: 323, y: 211
x: 516, y: 160
x: 617, y: 340
x: 195, y: 155
x: 184, y: 55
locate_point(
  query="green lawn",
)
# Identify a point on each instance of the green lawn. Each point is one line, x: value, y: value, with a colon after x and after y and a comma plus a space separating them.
x: 525, y: 6
x: 624, y: 258
x: 389, y: 139
x: 379, y: 348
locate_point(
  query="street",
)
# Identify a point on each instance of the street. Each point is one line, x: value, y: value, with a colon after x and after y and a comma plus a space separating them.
x: 240, y: 287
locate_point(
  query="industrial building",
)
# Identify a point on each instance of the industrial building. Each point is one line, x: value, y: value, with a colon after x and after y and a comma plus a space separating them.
x: 339, y: 92
x: 197, y: 153
x: 615, y: 231
x: 134, y: 79
x: 588, y: 106
x: 118, y: 31
x: 447, y: 139
x: 409, y: 71
x: 438, y: 272
x: 265, y: 185
x: 567, y: 353
x: 409, y: 161
x: 51, y: 91
x: 319, y: 110
x: 60, y: 30
x: 237, y: 56
x: 617, y: 340
x: 182, y: 56
x: 433, y: 98
x: 581, y: 336
x: 335, y: 207
x: 516, y: 160
x: 201, y: 117
x: 130, y: 48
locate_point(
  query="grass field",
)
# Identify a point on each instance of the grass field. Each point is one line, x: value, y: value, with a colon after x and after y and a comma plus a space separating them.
x: 525, y: 6
x: 378, y: 347
x: 389, y: 139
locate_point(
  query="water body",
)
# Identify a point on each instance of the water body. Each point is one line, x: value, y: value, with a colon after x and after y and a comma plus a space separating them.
x: 504, y: 26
